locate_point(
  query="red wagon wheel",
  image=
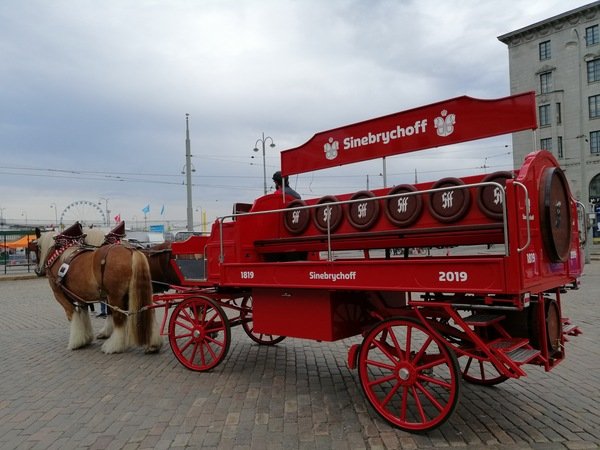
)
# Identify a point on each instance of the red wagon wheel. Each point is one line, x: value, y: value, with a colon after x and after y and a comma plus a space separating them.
x: 480, y: 371
x: 199, y: 333
x: 248, y: 326
x: 409, y: 376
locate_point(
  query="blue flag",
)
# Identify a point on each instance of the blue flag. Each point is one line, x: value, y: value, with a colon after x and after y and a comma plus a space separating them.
x: 146, y: 209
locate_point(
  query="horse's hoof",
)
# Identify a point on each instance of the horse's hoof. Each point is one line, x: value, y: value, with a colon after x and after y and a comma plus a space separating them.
x: 152, y: 349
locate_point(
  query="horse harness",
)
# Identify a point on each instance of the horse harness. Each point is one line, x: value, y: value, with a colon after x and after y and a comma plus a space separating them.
x: 59, y: 280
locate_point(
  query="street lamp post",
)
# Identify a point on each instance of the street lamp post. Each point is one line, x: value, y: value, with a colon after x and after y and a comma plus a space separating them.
x: 188, y: 175
x: 2, y: 216
x: 263, y: 141
x: 24, y: 213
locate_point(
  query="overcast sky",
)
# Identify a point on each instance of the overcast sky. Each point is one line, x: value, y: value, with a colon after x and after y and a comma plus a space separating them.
x: 93, y: 94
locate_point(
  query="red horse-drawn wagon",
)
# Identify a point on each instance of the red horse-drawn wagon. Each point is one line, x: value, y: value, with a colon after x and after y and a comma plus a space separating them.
x: 341, y: 266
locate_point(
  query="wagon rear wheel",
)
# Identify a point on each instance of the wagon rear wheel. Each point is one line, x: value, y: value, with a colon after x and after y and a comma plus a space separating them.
x: 199, y: 333
x: 248, y: 326
x: 481, y: 372
x: 409, y: 376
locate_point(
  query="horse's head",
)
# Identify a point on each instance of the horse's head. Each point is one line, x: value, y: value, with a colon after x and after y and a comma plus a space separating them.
x: 44, y: 242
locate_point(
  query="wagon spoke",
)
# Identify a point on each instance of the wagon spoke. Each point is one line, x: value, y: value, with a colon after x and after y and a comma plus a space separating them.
x: 404, y: 404
x: 423, y: 349
x: 381, y: 346
x: 184, y: 325
x: 382, y: 380
x: 210, y: 350
x: 418, y: 404
x: 389, y: 396
x: 429, y: 396
x: 396, y: 345
x: 186, y: 343
x: 432, y: 363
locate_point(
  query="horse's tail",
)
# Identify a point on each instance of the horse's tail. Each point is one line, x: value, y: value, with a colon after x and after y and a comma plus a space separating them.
x: 140, y: 296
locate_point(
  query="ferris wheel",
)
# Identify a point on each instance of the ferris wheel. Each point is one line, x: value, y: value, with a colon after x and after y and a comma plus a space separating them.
x: 83, y: 211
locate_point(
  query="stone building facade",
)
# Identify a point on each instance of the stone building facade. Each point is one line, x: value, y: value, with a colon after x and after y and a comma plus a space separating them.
x: 559, y: 59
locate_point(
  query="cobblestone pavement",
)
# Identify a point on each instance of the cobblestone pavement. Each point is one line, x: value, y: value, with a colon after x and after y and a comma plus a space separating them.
x: 297, y: 395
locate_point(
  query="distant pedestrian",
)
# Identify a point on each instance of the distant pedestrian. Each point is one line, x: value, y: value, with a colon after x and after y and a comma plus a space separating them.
x: 283, y: 181
x: 102, y: 312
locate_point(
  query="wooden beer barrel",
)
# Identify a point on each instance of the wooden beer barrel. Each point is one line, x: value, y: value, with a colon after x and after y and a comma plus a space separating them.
x: 328, y: 213
x: 449, y: 205
x: 555, y: 214
x: 363, y: 215
x: 296, y: 220
x: 403, y: 211
x: 489, y: 199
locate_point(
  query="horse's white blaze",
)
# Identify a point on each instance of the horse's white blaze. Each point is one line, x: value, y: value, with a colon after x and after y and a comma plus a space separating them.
x: 117, y: 342
x: 81, y: 333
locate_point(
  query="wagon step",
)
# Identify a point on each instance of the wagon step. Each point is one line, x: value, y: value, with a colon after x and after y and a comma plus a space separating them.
x: 523, y: 355
x: 515, y: 349
x: 483, y: 320
x: 509, y: 344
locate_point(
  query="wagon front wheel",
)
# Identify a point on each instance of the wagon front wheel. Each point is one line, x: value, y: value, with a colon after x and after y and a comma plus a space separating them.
x: 409, y: 376
x: 199, y: 333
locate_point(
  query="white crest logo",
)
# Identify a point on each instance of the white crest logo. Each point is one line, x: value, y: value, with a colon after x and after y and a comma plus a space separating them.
x: 445, y: 124
x: 331, y: 149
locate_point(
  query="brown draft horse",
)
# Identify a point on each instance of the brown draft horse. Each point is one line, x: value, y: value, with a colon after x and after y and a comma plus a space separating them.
x: 159, y: 260
x: 113, y: 273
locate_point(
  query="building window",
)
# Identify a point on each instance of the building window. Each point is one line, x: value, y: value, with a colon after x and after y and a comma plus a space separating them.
x: 545, y: 82
x: 546, y: 144
x: 595, y: 142
x: 559, y: 149
x: 594, y: 106
x: 545, y: 50
x: 558, y: 114
x: 544, y: 115
x: 592, y: 35
x: 593, y: 70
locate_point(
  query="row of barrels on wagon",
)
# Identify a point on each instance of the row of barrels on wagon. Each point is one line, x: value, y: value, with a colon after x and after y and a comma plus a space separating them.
x: 445, y: 205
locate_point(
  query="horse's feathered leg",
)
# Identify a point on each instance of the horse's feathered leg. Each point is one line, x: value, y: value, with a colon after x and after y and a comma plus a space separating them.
x: 142, y: 324
x: 118, y: 341
x: 107, y: 329
x: 81, y: 333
